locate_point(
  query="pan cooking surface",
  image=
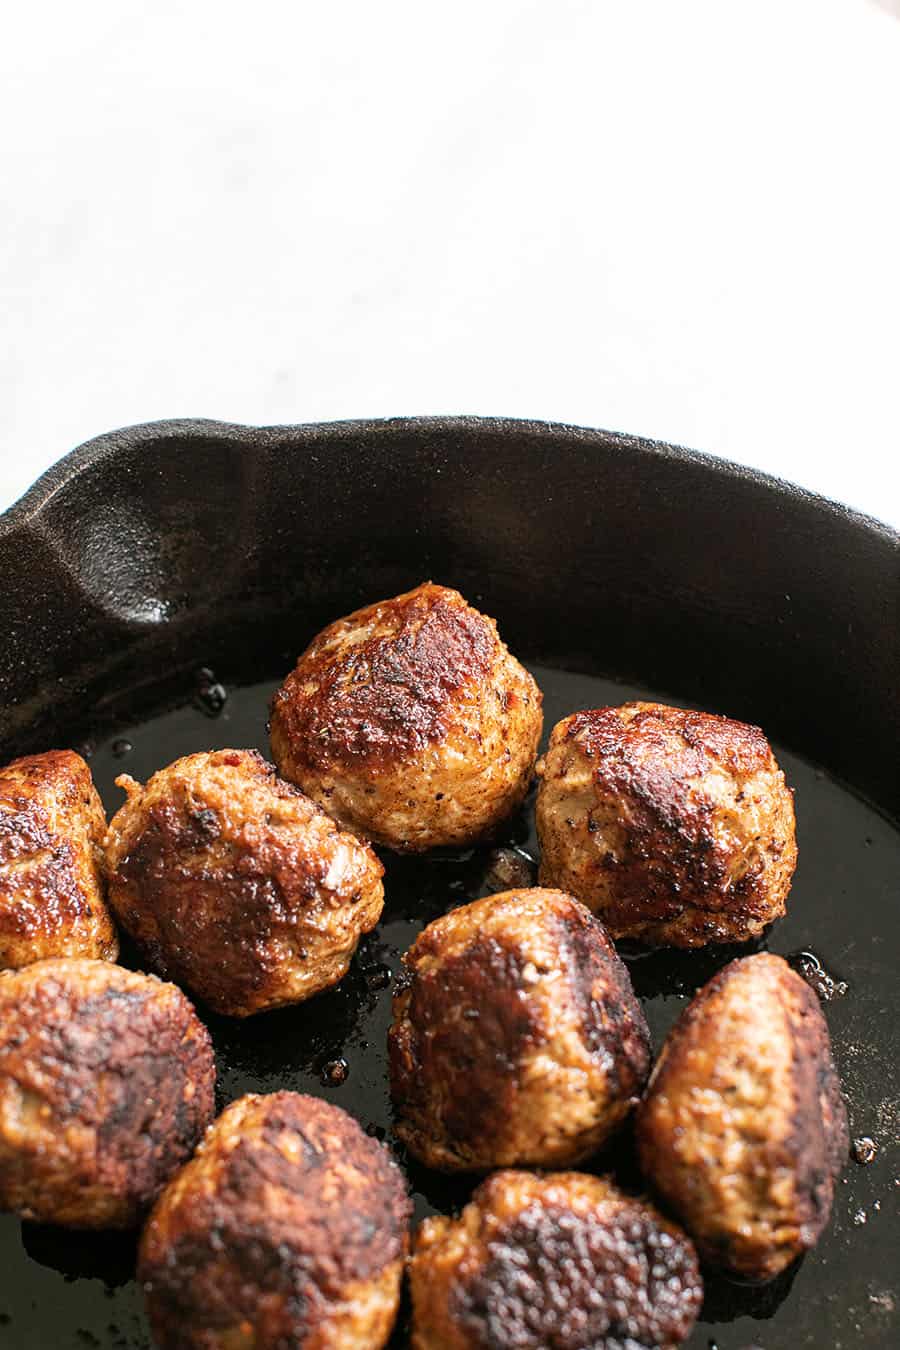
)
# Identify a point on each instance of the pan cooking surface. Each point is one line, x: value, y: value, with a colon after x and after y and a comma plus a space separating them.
x: 70, y: 1291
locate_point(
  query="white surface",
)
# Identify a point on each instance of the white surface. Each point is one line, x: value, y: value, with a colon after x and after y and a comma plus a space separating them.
x: 681, y: 220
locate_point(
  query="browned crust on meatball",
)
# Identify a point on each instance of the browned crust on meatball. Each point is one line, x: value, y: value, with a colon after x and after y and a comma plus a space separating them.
x: 516, y: 1036
x: 236, y: 885
x: 106, y: 1084
x: 289, y: 1227
x: 390, y: 696
x: 410, y: 722
x: 556, y: 1262
x: 674, y: 826
x: 743, y: 1130
x: 470, y: 1022
x: 51, y: 882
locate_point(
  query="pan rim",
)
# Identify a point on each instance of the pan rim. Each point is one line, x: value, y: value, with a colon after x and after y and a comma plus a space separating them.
x: 109, y: 444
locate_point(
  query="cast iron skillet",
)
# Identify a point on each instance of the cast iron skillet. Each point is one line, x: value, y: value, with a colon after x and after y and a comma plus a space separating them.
x: 615, y: 566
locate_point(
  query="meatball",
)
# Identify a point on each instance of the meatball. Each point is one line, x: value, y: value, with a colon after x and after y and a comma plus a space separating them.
x: 675, y: 827
x: 410, y: 722
x: 236, y: 885
x: 288, y: 1228
x: 559, y: 1262
x: 106, y: 1084
x: 743, y: 1131
x: 51, y: 883
x: 516, y: 1037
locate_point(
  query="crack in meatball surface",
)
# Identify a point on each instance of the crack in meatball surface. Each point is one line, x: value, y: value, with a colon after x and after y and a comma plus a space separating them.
x: 288, y: 1228
x: 51, y: 880
x: 743, y: 1130
x: 516, y: 1038
x: 106, y: 1084
x: 236, y: 885
x: 563, y: 1261
x: 410, y: 722
x: 674, y: 827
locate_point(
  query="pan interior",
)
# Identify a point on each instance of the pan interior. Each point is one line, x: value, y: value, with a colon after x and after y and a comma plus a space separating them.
x: 76, y: 1290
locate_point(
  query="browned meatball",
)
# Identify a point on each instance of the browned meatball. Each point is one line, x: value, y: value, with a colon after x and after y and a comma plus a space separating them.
x: 410, y: 722
x: 106, y: 1084
x: 51, y: 884
x: 743, y: 1131
x: 558, y: 1262
x: 516, y: 1038
x: 236, y: 885
x: 674, y: 827
x: 288, y: 1228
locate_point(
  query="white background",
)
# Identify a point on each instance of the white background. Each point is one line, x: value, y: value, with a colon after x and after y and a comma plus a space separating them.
x: 675, y: 219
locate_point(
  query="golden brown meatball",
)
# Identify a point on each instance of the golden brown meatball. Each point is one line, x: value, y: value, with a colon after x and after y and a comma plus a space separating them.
x: 516, y: 1038
x: 288, y: 1228
x: 106, y: 1084
x: 743, y: 1130
x: 674, y: 827
x: 558, y: 1262
x: 51, y: 884
x: 236, y: 885
x: 410, y: 722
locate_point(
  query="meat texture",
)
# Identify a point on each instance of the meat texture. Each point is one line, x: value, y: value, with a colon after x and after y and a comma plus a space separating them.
x: 106, y: 1084
x: 410, y: 722
x: 743, y: 1131
x: 674, y: 827
x: 51, y: 880
x: 516, y: 1036
x: 236, y: 885
x: 557, y: 1262
x: 288, y: 1228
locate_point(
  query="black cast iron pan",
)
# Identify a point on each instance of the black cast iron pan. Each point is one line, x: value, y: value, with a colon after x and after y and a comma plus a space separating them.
x: 615, y: 567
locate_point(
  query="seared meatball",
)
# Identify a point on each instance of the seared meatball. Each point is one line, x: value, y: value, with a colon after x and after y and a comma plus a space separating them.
x: 558, y: 1262
x: 236, y: 885
x: 516, y: 1038
x: 106, y: 1084
x: 288, y: 1228
x: 51, y: 884
x: 410, y: 722
x: 674, y: 827
x: 743, y: 1130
